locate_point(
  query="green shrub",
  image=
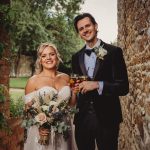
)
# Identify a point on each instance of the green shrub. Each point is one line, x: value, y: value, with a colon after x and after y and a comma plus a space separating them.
x: 16, y: 94
x: 16, y: 107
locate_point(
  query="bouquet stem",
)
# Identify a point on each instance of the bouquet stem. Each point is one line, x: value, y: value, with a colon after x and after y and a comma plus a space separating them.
x: 44, y: 139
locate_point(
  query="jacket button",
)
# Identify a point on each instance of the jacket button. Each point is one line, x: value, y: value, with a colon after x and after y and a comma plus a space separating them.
x: 91, y: 102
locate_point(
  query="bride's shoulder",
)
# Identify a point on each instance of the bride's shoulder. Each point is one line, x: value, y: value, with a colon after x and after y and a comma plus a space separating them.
x: 32, y: 79
x: 31, y: 84
x: 63, y: 76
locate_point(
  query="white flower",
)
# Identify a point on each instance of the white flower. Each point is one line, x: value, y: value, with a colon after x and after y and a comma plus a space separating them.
x: 45, y: 108
x: 47, y: 97
x: 55, y: 109
x: 100, y: 52
x: 53, y: 103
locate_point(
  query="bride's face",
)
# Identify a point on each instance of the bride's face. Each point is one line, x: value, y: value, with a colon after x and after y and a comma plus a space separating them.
x: 49, y: 58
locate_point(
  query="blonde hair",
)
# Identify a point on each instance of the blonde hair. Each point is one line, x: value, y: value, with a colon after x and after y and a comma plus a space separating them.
x: 38, y: 66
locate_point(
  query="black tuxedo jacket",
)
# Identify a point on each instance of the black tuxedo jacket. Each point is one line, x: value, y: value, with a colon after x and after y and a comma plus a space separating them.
x: 112, y: 71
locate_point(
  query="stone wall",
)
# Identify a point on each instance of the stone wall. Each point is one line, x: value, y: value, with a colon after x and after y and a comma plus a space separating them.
x: 134, y: 38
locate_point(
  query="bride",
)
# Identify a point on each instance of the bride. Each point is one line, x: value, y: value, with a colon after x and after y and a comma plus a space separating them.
x: 48, y: 79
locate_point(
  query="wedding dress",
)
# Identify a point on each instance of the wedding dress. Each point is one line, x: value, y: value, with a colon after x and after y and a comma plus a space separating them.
x: 56, y: 142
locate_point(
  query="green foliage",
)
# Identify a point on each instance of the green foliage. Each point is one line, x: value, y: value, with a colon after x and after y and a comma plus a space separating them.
x: 2, y: 121
x: 64, y: 37
x: 4, y: 19
x: 1, y: 49
x: 3, y: 93
x: 4, y: 124
x: 16, y: 107
x: 16, y: 93
x: 26, y: 30
x: 2, y: 98
x: 32, y: 22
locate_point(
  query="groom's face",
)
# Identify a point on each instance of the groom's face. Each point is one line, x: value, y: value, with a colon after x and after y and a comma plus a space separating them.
x: 87, y: 30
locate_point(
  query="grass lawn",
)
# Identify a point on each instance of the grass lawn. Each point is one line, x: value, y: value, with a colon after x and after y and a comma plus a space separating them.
x: 16, y: 94
x: 18, y: 82
x: 17, y: 86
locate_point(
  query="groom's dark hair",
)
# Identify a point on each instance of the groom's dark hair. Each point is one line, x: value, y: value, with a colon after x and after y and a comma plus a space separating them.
x: 81, y: 16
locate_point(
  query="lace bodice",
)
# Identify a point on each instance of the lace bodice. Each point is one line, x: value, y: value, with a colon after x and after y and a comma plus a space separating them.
x: 64, y: 93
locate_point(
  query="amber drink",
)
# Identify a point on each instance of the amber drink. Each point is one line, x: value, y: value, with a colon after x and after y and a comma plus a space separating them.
x: 83, y: 78
x: 73, y: 80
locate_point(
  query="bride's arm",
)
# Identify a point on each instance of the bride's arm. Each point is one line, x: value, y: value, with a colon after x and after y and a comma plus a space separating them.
x: 73, y: 99
x: 29, y: 89
x: 31, y: 85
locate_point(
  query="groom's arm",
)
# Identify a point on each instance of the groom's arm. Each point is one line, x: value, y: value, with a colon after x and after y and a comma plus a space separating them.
x: 119, y: 86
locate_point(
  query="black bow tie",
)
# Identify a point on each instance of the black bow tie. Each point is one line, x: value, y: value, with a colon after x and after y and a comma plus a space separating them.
x: 89, y: 51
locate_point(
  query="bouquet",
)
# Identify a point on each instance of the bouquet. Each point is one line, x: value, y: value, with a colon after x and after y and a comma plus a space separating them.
x: 50, y: 112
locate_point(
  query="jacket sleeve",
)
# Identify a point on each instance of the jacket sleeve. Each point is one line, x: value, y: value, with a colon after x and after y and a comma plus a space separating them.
x: 119, y: 85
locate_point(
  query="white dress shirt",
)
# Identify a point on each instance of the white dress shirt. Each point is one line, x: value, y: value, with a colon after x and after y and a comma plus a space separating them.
x: 90, y: 62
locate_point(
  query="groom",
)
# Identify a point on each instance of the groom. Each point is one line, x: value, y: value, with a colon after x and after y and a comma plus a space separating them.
x: 99, y: 113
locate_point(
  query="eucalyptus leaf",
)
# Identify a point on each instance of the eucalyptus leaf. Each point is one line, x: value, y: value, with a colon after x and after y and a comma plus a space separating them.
x: 60, y: 130
x: 30, y: 122
x: 24, y: 123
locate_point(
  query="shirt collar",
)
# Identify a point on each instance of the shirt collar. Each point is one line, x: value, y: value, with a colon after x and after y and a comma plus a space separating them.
x: 96, y: 44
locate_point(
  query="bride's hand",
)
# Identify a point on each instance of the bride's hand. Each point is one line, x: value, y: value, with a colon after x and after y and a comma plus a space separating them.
x: 75, y: 89
x: 43, y: 131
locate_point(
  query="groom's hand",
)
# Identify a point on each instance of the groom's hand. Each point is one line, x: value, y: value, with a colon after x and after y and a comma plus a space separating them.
x: 86, y: 86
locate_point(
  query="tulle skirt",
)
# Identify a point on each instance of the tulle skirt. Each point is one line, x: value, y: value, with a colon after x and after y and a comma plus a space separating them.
x: 56, y: 141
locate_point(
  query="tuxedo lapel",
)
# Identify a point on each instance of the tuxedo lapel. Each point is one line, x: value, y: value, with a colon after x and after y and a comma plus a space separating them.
x: 99, y: 62
x: 98, y: 66
x: 81, y: 62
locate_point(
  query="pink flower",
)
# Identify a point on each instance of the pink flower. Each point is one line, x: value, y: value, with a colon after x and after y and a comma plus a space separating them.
x: 41, y: 118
